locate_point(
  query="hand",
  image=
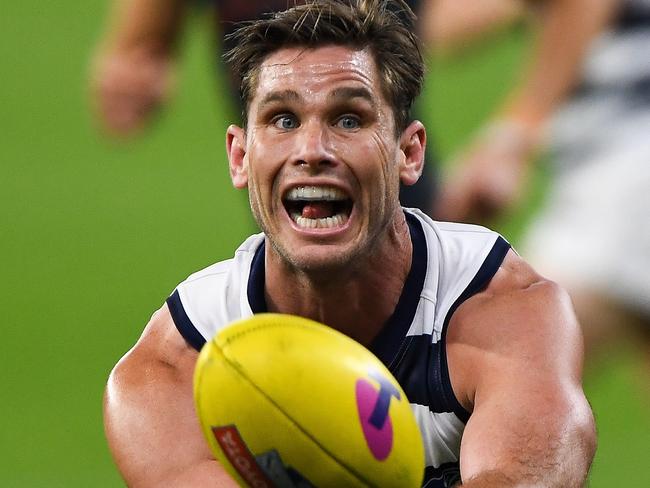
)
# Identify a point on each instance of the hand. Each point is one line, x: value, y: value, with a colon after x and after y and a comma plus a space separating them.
x: 128, y: 87
x: 488, y: 178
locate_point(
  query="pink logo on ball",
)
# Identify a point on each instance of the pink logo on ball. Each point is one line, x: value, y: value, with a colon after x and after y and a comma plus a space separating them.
x: 373, y: 407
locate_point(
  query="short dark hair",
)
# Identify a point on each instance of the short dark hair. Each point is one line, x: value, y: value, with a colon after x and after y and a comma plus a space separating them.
x: 384, y: 27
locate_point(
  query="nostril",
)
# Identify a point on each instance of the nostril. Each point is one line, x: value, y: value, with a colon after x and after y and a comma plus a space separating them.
x: 316, y: 163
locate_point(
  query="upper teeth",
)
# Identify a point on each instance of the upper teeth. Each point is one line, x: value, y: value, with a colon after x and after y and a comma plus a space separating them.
x: 315, y: 193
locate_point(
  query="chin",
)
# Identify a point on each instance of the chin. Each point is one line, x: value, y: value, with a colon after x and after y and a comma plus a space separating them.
x: 320, y: 259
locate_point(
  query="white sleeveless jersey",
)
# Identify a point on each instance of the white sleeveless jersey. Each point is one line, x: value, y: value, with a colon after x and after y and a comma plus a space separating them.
x: 451, y: 262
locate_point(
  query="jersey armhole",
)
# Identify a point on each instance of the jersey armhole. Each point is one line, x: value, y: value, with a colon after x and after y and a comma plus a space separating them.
x: 483, y: 276
x: 183, y: 323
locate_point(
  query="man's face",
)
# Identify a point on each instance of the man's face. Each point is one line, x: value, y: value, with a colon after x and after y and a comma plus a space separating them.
x: 320, y: 156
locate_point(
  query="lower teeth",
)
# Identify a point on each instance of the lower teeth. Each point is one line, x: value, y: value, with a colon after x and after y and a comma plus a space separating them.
x: 324, y: 223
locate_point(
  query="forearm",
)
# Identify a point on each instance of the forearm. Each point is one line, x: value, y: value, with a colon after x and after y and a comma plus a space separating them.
x: 151, y: 427
x: 132, y: 73
x: 203, y: 474
x: 564, y: 463
x: 145, y: 24
x: 449, y: 24
x: 566, y: 29
x: 488, y: 480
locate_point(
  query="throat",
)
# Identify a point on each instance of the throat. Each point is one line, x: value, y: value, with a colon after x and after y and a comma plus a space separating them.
x: 359, y: 308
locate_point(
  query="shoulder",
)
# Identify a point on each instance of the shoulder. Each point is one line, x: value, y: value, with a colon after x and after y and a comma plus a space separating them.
x: 461, y: 261
x: 457, y: 252
x: 519, y: 318
x: 515, y: 292
x: 242, y: 257
x: 456, y: 246
x: 216, y: 295
x: 159, y: 345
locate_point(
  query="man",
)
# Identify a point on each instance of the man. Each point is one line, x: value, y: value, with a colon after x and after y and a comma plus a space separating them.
x: 488, y: 351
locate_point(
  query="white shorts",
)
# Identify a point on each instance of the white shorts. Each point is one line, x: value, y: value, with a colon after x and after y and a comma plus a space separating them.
x: 594, y: 231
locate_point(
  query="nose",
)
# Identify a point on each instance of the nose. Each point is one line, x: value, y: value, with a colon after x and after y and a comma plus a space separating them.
x: 313, y: 146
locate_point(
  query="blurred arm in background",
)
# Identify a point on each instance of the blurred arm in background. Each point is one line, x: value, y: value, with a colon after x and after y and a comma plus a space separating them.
x: 447, y: 25
x: 490, y: 175
x: 132, y: 73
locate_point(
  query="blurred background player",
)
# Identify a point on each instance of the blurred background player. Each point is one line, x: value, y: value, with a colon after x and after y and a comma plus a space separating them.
x: 133, y: 73
x: 593, y: 235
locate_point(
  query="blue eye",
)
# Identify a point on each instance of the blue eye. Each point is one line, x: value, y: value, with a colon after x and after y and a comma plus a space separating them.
x: 285, y: 122
x: 348, y: 122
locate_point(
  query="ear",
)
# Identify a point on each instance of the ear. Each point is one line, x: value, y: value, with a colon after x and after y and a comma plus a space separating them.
x: 413, y: 142
x: 237, y: 160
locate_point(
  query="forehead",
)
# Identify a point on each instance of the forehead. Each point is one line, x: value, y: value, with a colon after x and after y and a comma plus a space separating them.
x: 310, y: 71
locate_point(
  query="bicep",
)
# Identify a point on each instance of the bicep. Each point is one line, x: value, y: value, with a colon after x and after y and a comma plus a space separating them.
x: 530, y: 420
x: 150, y: 421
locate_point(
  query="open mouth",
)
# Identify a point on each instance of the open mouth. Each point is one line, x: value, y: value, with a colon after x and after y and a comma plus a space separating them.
x: 318, y: 207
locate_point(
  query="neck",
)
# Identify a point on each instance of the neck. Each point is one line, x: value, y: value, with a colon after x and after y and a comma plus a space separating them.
x: 357, y: 300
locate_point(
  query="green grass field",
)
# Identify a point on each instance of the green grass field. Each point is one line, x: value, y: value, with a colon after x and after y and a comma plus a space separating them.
x: 95, y: 235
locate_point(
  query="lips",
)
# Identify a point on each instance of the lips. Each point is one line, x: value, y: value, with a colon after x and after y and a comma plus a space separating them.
x: 318, y: 206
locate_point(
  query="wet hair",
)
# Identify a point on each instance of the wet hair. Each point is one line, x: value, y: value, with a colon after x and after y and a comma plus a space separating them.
x: 384, y: 27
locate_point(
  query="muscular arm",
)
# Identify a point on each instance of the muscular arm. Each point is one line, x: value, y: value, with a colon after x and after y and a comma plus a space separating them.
x: 149, y: 416
x: 515, y: 359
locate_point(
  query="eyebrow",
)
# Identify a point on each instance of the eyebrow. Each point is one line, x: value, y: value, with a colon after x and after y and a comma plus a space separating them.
x: 280, y: 96
x: 348, y: 92
x: 340, y: 94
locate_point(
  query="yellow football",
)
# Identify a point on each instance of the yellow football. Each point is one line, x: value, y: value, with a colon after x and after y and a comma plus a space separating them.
x: 287, y: 402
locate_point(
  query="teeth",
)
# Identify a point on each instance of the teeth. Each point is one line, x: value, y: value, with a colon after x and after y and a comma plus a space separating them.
x: 315, y: 193
x: 324, y: 223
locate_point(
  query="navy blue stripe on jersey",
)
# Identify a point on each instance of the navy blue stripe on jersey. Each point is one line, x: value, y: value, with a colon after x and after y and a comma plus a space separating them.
x: 183, y: 322
x: 633, y: 16
x: 421, y: 376
x: 387, y: 343
x: 483, y: 276
x: 444, y: 476
x: 256, y: 278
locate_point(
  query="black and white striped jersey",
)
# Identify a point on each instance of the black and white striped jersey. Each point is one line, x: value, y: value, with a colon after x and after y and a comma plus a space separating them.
x: 451, y: 262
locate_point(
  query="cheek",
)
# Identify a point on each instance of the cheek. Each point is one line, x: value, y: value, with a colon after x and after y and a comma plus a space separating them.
x: 264, y: 162
x: 265, y: 173
x: 386, y: 158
